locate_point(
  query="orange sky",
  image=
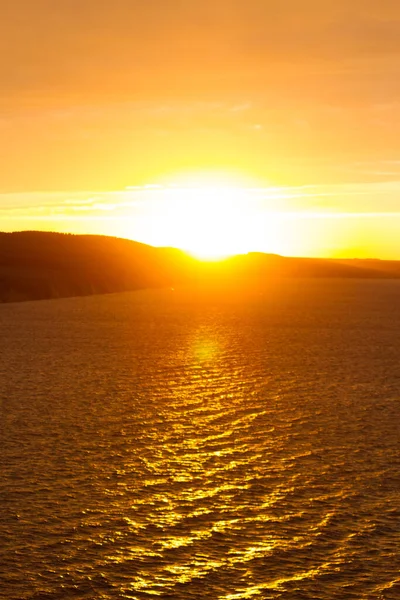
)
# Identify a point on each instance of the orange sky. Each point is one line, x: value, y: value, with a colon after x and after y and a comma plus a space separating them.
x: 300, y: 96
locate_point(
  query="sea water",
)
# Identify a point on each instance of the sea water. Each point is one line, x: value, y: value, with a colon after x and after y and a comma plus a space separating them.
x: 193, y: 444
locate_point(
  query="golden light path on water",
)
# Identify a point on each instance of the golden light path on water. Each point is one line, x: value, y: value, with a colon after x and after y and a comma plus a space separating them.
x: 211, y: 447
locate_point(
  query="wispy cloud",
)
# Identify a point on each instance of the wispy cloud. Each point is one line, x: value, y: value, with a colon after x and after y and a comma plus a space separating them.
x: 334, y: 201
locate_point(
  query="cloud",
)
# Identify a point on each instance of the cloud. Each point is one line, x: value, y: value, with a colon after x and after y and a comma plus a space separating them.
x: 87, y: 48
x: 312, y: 201
x: 98, y: 94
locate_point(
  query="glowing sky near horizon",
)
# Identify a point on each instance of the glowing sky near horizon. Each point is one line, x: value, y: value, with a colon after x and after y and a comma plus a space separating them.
x: 298, y: 103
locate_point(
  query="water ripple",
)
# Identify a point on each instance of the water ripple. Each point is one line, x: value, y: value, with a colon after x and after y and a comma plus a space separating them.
x: 155, y: 446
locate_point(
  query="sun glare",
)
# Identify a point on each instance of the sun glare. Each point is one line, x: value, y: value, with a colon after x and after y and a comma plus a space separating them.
x: 210, y: 218
x: 212, y: 222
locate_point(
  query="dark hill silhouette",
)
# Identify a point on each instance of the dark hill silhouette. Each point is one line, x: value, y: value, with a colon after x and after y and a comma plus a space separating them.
x: 36, y: 265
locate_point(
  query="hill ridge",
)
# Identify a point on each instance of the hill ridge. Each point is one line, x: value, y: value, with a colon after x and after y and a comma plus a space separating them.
x: 38, y: 265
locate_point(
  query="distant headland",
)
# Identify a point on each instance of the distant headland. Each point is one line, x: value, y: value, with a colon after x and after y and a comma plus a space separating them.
x: 37, y: 265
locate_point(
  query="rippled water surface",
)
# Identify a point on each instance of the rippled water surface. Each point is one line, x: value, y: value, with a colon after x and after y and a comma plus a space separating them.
x: 181, y: 445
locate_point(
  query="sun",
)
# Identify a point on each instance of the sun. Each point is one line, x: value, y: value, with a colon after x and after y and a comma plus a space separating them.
x: 211, y: 219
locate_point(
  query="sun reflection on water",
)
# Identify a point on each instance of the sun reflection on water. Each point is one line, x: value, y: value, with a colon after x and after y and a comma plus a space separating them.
x: 205, y: 348
x: 211, y: 459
